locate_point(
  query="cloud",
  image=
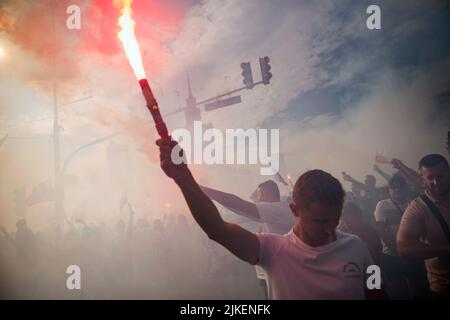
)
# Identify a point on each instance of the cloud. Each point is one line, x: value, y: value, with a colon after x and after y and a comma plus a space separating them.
x: 395, y: 118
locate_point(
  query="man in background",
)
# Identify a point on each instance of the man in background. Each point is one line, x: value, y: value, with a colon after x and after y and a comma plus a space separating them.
x: 424, y: 229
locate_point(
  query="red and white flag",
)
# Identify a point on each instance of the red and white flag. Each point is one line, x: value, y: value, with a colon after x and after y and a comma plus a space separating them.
x: 379, y: 158
x: 42, y: 192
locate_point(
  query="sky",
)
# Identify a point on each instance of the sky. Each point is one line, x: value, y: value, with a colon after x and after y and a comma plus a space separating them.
x: 340, y: 93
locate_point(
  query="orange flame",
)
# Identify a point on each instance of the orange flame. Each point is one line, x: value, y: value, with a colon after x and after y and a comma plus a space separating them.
x: 128, y: 38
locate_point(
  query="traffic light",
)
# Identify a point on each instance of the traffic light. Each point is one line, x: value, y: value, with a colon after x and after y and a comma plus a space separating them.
x: 247, y: 74
x: 265, y: 70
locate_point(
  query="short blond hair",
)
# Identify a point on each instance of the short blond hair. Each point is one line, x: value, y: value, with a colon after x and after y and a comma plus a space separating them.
x: 317, y: 186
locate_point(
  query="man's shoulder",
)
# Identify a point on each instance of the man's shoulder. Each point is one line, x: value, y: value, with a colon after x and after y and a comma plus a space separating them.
x: 273, y: 237
x: 271, y: 244
x: 274, y: 205
x: 345, y: 236
x: 385, y: 203
x: 416, y: 206
x: 350, y: 240
x: 274, y: 212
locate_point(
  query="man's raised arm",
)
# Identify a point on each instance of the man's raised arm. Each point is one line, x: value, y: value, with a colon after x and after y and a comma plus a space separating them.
x: 386, y: 176
x: 233, y: 203
x: 240, y: 242
x: 412, y: 177
x: 350, y: 179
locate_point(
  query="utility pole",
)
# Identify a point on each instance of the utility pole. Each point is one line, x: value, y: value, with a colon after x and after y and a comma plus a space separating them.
x: 57, y: 157
x: 59, y: 214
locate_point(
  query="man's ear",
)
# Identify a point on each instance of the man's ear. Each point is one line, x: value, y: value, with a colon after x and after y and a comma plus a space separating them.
x: 293, y: 209
x: 422, y: 179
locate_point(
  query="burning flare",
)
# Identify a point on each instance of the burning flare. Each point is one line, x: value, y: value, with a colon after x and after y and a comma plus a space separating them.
x: 131, y: 47
x: 128, y: 38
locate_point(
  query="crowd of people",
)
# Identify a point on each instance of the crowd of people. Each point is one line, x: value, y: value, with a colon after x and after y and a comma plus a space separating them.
x: 172, y: 258
x: 402, y: 229
x: 168, y: 258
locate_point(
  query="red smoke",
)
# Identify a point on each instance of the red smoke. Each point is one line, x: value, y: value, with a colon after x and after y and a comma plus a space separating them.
x: 30, y: 24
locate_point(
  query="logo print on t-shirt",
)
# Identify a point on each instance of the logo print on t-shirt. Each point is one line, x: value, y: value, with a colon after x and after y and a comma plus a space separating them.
x: 351, y: 270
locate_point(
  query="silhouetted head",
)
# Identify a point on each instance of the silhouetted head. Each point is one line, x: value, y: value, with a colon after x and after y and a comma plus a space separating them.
x: 370, y: 181
x: 398, y: 189
x: 352, y: 214
x: 356, y: 189
x: 268, y: 192
x: 21, y: 224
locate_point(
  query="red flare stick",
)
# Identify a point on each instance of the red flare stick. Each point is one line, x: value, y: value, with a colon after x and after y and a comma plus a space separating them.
x: 153, y: 107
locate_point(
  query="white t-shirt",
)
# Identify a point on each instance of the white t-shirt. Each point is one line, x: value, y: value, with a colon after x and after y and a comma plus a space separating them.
x: 296, y: 270
x: 276, y: 217
x: 386, y: 211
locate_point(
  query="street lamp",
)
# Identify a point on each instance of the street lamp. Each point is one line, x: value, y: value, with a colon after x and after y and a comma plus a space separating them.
x: 59, y: 179
x: 61, y: 195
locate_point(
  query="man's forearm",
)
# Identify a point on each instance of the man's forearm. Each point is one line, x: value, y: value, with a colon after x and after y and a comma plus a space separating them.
x: 413, y: 182
x: 359, y: 184
x: 412, y: 177
x: 202, y: 208
x: 233, y: 202
x: 226, y: 199
x: 409, y: 172
x: 383, y: 174
x: 420, y: 250
x: 384, y: 235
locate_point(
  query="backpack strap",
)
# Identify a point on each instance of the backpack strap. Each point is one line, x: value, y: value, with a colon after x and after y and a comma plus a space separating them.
x: 437, y: 214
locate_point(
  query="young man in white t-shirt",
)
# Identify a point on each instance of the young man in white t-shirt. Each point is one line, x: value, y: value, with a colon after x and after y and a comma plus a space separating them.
x: 388, y: 214
x: 312, y: 261
x: 405, y: 278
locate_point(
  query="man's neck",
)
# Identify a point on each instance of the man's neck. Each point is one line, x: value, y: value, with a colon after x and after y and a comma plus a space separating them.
x: 444, y: 198
x: 305, y: 239
x: 399, y: 202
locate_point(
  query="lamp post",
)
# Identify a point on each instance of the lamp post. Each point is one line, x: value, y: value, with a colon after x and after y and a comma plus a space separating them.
x: 66, y: 163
